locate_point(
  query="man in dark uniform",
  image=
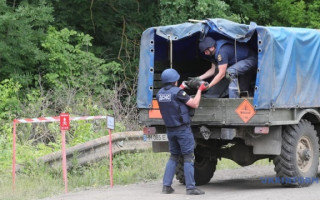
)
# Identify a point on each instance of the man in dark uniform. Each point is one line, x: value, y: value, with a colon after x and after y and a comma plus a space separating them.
x: 174, y: 103
x: 233, y: 60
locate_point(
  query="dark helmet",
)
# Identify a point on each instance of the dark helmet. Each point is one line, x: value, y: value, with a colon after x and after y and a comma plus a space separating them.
x: 169, y: 76
x: 206, y: 43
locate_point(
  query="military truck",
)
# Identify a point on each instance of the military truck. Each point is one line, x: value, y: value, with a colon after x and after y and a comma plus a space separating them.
x: 278, y: 119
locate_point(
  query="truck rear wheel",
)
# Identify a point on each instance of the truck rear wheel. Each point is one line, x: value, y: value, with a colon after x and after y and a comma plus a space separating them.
x: 298, y: 162
x: 180, y: 171
x: 204, y: 169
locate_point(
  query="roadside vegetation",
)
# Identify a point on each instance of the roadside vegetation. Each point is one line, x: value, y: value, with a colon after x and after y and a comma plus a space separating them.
x: 40, y: 181
x: 82, y: 57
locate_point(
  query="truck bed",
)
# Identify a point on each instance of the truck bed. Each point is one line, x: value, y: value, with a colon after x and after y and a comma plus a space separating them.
x: 222, y: 112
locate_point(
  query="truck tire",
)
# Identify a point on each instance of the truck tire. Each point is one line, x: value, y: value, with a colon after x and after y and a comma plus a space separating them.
x: 299, y: 156
x: 180, y: 171
x: 204, y: 169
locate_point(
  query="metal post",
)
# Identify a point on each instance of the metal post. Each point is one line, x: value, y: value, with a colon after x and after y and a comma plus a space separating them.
x: 64, y: 160
x: 110, y: 158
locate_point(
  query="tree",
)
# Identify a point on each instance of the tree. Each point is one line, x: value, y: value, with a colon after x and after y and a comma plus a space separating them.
x: 21, y: 30
x: 9, y: 100
x: 173, y: 12
x: 69, y: 63
x: 313, y: 17
x: 115, y: 25
x: 291, y: 13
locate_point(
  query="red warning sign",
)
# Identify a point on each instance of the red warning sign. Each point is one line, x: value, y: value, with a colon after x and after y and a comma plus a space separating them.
x: 245, y: 111
x: 64, y: 121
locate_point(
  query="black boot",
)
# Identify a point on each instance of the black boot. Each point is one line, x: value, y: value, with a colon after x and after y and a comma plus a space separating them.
x: 167, y: 190
x: 195, y: 191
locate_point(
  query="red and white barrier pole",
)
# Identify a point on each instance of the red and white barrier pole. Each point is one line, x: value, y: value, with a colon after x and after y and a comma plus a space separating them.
x: 64, y: 161
x: 64, y: 125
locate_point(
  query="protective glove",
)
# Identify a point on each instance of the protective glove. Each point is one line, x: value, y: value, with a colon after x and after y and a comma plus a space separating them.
x: 184, y: 85
x: 204, y: 86
x: 194, y: 78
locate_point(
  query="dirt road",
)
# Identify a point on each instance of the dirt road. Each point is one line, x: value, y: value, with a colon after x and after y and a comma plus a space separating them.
x: 238, y: 184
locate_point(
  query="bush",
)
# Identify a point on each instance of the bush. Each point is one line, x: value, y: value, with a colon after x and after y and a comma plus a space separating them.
x: 9, y: 101
x: 71, y: 65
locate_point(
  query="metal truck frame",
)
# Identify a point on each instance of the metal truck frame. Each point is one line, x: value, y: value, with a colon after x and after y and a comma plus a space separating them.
x: 284, y: 129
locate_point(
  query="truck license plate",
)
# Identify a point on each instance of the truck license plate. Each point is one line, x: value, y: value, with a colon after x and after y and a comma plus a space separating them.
x: 155, y: 137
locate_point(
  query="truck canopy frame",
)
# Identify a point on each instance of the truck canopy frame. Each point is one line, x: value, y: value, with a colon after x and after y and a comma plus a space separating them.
x: 288, y: 73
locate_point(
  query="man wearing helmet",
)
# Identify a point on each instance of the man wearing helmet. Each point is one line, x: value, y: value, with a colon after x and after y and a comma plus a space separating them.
x: 173, y: 104
x: 233, y: 61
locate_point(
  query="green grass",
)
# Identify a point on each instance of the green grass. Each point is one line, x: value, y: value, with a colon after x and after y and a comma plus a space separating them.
x: 40, y: 181
x: 36, y: 182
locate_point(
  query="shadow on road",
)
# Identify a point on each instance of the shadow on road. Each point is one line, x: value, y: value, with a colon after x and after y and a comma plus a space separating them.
x: 251, y: 179
x: 244, y: 184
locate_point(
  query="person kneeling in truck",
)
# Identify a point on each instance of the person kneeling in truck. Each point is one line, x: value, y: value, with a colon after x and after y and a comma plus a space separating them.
x: 233, y: 61
x: 173, y: 104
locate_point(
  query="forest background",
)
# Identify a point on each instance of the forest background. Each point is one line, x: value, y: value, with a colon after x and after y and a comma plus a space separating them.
x: 82, y: 56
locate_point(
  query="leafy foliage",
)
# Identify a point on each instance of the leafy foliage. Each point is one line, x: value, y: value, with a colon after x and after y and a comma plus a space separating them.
x: 9, y: 108
x: 173, y: 12
x: 70, y: 62
x: 82, y: 57
x: 313, y: 17
x: 21, y: 30
x: 9, y: 100
x: 116, y: 26
x: 292, y: 13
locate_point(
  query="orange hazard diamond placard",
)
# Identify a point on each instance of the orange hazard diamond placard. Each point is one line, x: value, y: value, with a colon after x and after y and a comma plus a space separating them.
x: 245, y: 111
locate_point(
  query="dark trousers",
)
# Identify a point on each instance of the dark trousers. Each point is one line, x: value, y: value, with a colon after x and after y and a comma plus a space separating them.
x: 238, y: 69
x: 180, y: 143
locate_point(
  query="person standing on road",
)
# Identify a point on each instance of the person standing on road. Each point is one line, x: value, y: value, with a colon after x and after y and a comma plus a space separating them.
x: 173, y: 104
x: 233, y: 60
